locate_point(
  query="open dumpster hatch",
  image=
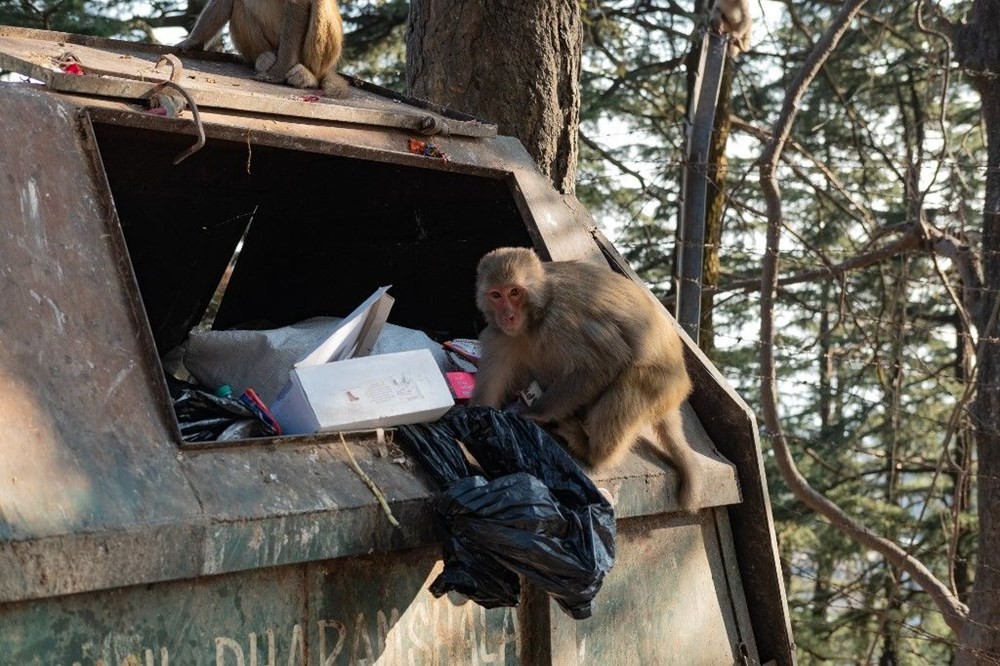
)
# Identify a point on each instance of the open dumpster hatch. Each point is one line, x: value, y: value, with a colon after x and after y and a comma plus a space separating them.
x: 120, y: 542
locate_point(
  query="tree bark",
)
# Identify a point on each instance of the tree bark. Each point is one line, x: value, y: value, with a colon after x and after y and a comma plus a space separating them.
x: 977, y: 49
x: 515, y: 63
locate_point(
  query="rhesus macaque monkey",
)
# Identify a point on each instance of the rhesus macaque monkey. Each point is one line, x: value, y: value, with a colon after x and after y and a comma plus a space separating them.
x: 609, y: 361
x: 732, y: 17
x: 294, y: 41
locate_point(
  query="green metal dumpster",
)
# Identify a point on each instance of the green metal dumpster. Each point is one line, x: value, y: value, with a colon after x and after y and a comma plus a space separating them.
x: 120, y: 544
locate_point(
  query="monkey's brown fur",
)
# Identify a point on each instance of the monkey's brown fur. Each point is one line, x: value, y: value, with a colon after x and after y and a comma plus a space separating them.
x: 294, y: 41
x: 732, y: 17
x: 608, y: 359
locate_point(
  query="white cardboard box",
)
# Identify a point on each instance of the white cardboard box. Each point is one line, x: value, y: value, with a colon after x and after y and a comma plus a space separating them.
x: 363, y: 393
x: 261, y: 359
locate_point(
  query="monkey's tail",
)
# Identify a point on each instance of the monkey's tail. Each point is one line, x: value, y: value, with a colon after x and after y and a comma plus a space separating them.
x: 670, y: 432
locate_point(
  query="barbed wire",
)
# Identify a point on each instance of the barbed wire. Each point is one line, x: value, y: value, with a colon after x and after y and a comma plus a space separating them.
x: 657, y: 166
x: 651, y: 183
x: 789, y: 254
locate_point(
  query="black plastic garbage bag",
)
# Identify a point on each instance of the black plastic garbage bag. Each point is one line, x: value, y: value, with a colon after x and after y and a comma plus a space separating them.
x: 529, y: 509
x: 204, y: 416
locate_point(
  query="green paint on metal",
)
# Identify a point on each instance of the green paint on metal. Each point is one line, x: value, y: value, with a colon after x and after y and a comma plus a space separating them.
x: 349, y: 611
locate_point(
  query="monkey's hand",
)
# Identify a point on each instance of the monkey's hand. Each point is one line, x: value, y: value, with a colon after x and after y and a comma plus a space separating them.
x: 540, y: 419
x: 568, y: 395
x: 268, y: 77
x: 575, y: 435
x: 189, y: 44
x: 543, y: 415
x: 267, y: 69
x: 265, y: 61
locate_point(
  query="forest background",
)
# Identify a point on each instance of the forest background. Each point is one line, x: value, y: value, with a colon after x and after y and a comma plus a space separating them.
x: 854, y: 307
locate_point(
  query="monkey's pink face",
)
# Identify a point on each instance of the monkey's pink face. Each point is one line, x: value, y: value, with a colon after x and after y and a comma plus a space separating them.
x: 508, y: 304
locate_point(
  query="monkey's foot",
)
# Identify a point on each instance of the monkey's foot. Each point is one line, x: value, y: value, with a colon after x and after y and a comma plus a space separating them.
x: 300, y: 77
x: 265, y: 61
x: 334, y: 85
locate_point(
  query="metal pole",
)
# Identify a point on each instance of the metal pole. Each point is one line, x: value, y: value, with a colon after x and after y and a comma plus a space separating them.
x: 691, y: 230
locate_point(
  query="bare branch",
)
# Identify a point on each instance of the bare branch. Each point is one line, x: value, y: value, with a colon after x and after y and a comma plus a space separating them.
x: 914, y: 237
x: 908, y: 241
x: 954, y: 611
x: 850, y: 207
x: 651, y: 188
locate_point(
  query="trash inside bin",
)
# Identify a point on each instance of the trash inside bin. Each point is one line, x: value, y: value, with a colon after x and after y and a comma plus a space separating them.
x: 203, y: 416
x: 529, y: 509
x: 263, y: 358
x: 364, y: 393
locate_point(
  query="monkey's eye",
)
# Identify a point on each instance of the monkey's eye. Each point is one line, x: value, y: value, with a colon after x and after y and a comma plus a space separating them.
x: 495, y: 295
x: 515, y: 292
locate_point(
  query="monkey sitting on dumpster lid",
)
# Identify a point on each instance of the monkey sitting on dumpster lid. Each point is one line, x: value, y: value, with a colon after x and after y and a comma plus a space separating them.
x: 298, y: 42
x: 732, y: 17
x: 609, y: 360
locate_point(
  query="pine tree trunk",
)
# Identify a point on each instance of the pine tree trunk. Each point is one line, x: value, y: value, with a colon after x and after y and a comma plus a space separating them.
x: 981, y: 635
x: 977, y: 48
x: 515, y: 63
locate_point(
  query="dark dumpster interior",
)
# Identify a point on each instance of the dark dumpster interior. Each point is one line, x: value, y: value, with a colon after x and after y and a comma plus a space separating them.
x: 324, y: 232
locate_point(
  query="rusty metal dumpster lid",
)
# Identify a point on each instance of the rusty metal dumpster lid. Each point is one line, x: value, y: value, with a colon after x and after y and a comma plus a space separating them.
x: 120, y: 69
